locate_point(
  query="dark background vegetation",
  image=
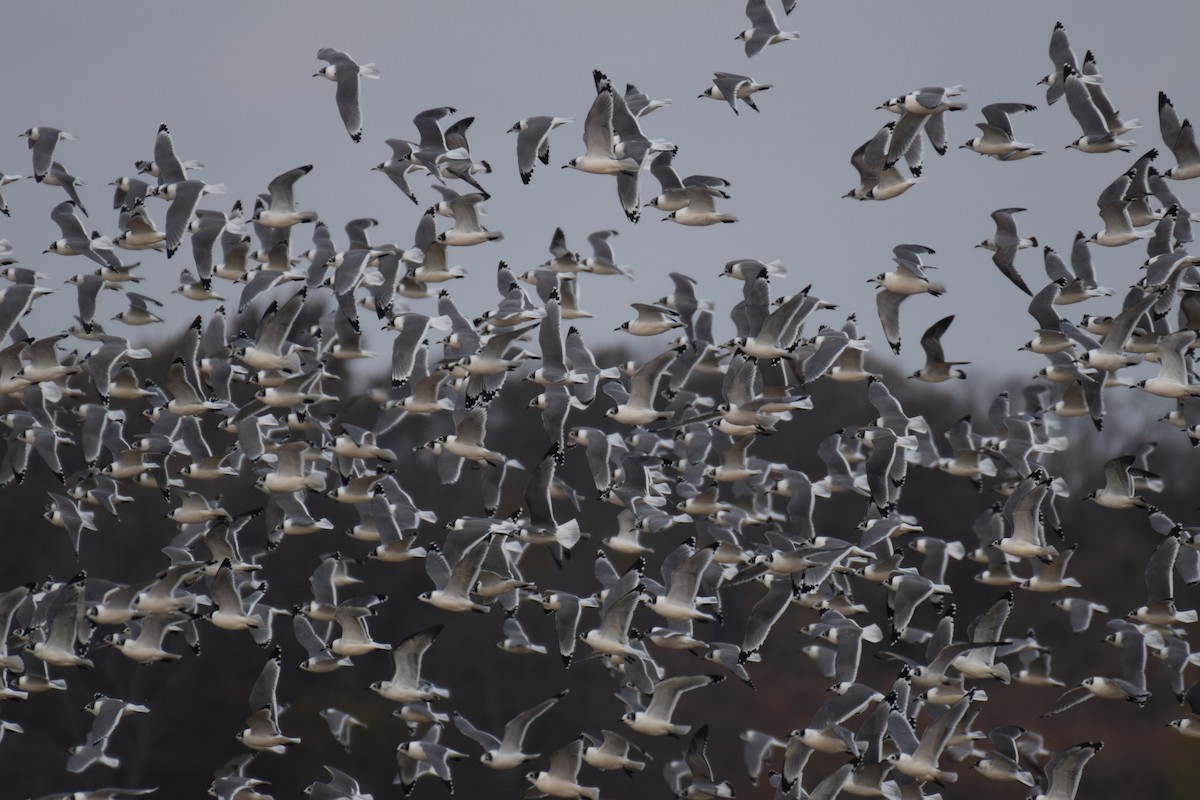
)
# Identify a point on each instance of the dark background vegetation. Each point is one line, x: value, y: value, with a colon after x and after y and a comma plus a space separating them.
x: 200, y: 702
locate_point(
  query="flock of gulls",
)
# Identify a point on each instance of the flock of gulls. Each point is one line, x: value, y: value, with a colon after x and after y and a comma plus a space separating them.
x: 251, y: 394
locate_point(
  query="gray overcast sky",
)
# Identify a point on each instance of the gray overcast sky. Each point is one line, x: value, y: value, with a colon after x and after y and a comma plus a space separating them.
x: 233, y: 82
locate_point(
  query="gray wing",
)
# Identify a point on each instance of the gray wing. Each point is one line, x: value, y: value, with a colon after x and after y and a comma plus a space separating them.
x: 170, y: 168
x: 529, y: 143
x: 280, y: 188
x: 1003, y: 259
x: 931, y: 340
x: 888, y: 305
x: 1065, y: 769
x: 486, y: 740
x: 1079, y: 100
x: 514, y: 731
x: 997, y: 114
x: 179, y: 215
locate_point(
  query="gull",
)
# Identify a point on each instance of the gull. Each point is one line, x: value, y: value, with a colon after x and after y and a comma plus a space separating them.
x: 143, y: 639
x: 1118, y: 490
x: 602, y: 261
x: 262, y: 726
x: 563, y: 259
x: 75, y: 240
x: 757, y: 751
x: 674, y: 194
x: 1110, y: 355
x: 895, y: 287
x: 355, y: 639
x: 1050, y: 576
x: 1173, y: 379
x: 64, y: 644
x: 639, y: 104
x: 341, y: 786
x: 1160, y: 607
x: 533, y: 142
x: 679, y: 601
x: 1064, y: 771
x: 1190, y: 725
x: 1180, y: 139
x: 453, y: 586
x: 922, y: 762
x: 64, y: 513
x: 650, y: 321
x: 937, y: 368
x: 231, y: 613
x: 763, y: 30
x: 319, y: 659
x: 561, y: 780
x: 345, y: 71
x: 109, y: 711
x: 397, y: 167
x: 166, y: 166
x: 280, y: 210
x: 877, y: 180
x: 1079, y: 281
x: 697, y: 771
x: 1005, y: 243
x: 467, y: 441
x: 406, y: 684
x: 1036, y: 669
x: 425, y: 757
x: 922, y: 109
x: 996, y: 135
x: 1130, y: 686
x: 58, y: 176
x: 612, y: 753
x: 1080, y: 611
x: 266, y: 352
x: 4, y: 181
x: 42, y: 141
x: 517, y: 641
x: 1096, y: 138
x: 612, y: 637
x: 184, y: 197
x: 636, y: 407
x: 467, y: 231
x: 599, y: 157
x: 139, y: 312
x: 655, y: 718
x: 731, y: 88
x: 1060, y: 54
x: 1112, y: 117
x: 701, y: 209
x: 1114, y: 210
x: 1004, y: 763
x: 507, y: 753
x: 1026, y: 536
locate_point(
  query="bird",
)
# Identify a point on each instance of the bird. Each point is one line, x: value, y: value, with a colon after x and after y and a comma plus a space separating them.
x: 1005, y: 244
x: 560, y: 780
x: 533, y: 142
x: 345, y: 72
x: 280, y: 210
x: 507, y: 753
x: 42, y: 141
x: 996, y: 134
x: 763, y: 30
x: 937, y: 368
x: 1096, y: 138
x: 655, y: 718
x: 1060, y: 54
x: 1180, y: 139
x: 730, y: 87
